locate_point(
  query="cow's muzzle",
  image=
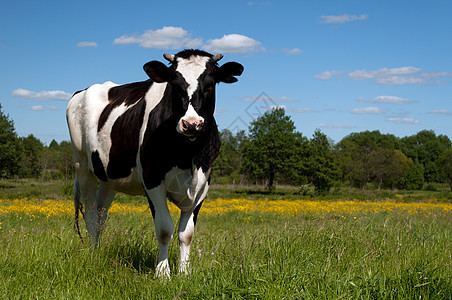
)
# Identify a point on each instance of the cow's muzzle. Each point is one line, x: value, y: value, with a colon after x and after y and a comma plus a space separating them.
x: 190, y: 127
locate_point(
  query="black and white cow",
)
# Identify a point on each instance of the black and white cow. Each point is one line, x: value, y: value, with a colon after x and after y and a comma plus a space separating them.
x: 157, y: 137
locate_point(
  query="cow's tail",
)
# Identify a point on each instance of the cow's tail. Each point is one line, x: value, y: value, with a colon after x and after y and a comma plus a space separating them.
x: 78, y: 207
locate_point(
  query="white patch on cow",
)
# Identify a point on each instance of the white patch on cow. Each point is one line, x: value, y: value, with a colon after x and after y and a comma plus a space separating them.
x: 83, y: 113
x: 152, y: 97
x: 186, y: 188
x: 190, y: 115
x: 191, y: 69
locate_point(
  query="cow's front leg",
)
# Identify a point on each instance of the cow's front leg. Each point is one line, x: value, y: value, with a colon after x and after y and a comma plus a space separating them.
x: 186, y: 229
x: 164, y: 227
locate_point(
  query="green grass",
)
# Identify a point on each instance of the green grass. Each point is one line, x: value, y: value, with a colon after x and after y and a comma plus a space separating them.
x: 59, y: 189
x: 236, y: 255
x: 239, y: 256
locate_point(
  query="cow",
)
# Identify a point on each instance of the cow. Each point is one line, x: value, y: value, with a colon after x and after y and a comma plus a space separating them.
x: 156, y: 138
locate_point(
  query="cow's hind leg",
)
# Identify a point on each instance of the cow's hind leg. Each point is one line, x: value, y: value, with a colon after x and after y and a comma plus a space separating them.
x: 185, y: 231
x: 87, y: 184
x: 105, y: 197
x: 164, y: 227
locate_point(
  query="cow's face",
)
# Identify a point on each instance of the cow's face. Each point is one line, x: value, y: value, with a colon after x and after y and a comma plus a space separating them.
x: 192, y: 77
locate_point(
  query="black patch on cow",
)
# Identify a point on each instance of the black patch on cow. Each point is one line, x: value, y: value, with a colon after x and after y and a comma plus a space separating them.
x: 187, y: 53
x: 128, y: 94
x: 205, y: 158
x: 163, y: 148
x: 125, y: 135
x: 99, y: 170
x: 196, y: 211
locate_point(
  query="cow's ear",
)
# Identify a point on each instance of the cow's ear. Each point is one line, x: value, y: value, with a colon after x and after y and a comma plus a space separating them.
x: 227, y: 72
x: 157, y: 71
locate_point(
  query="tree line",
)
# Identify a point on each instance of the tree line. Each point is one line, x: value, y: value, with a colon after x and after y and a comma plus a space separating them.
x: 272, y: 152
x: 28, y: 157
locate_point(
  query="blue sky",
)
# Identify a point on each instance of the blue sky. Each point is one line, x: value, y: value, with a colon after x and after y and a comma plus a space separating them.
x: 340, y: 66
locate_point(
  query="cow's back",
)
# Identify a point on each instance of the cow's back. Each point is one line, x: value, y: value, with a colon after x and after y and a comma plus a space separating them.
x: 83, y: 112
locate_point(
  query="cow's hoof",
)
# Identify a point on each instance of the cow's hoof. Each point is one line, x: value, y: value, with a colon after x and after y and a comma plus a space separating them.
x: 163, y: 270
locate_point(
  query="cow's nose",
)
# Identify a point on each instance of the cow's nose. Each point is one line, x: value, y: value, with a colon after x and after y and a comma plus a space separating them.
x: 191, y: 126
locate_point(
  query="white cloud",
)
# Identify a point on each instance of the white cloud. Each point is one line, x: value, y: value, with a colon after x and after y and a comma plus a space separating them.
x: 43, y: 95
x: 341, y: 19
x: 328, y: 75
x: 387, y: 100
x: 397, y: 76
x: 168, y: 37
x: 42, y: 108
x: 294, y: 51
x: 441, y: 112
x: 37, y: 108
x: 233, y: 43
x: 399, y: 120
x: 87, y: 44
x: 381, y: 73
x: 393, y: 76
x: 366, y: 110
x: 336, y: 125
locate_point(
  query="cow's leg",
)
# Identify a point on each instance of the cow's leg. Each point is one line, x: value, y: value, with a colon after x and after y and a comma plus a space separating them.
x: 164, y: 227
x: 87, y: 182
x: 186, y: 229
x: 105, y: 197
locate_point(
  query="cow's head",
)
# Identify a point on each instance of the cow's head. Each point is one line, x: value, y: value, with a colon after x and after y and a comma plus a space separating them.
x: 192, y: 76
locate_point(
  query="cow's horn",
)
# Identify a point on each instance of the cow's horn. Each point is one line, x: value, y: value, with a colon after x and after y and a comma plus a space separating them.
x: 217, y: 57
x: 169, y: 57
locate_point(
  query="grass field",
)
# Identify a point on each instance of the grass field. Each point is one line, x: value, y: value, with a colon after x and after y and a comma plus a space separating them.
x: 257, y: 248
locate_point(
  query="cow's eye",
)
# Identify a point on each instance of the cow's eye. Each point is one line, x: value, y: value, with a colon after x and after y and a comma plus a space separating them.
x: 209, y: 90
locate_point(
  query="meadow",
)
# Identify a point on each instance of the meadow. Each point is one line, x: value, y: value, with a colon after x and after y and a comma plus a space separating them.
x: 386, y: 245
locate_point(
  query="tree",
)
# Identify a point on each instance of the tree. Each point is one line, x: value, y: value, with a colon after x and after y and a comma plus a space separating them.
x: 358, y: 146
x: 229, y: 160
x: 426, y: 147
x: 30, y: 166
x: 272, y: 148
x: 445, y: 161
x: 320, y: 163
x: 388, y: 166
x: 10, y: 147
x: 413, y: 179
x: 66, y: 162
x: 354, y: 154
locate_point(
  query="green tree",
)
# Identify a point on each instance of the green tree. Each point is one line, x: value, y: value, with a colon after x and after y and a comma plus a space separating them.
x: 10, y: 147
x: 445, y: 161
x: 426, y: 147
x: 413, y: 179
x: 30, y: 166
x: 272, y: 148
x: 228, y: 163
x: 320, y: 163
x: 66, y: 162
x: 358, y: 146
x: 354, y: 154
x: 388, y: 166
